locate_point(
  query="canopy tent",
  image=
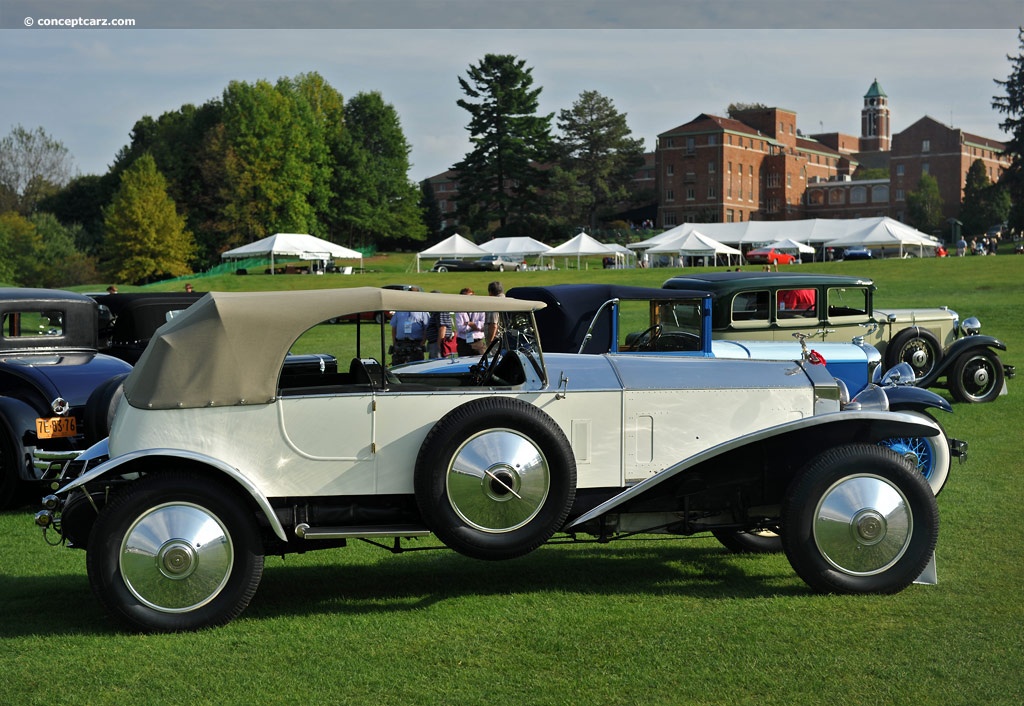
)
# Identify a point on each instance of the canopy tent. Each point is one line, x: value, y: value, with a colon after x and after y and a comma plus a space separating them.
x: 788, y: 244
x: 696, y: 244
x: 452, y: 246
x: 886, y: 232
x: 301, y: 245
x: 580, y: 245
x: 522, y: 246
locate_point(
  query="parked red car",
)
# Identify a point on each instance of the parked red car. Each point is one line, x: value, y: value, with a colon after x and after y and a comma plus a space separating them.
x: 770, y: 256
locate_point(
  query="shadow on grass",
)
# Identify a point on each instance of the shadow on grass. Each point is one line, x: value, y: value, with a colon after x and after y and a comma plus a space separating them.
x: 63, y: 604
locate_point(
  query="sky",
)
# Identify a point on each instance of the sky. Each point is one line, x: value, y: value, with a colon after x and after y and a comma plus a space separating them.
x: 661, y: 66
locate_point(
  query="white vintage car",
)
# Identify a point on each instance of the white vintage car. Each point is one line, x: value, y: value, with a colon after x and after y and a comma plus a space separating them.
x: 218, y: 455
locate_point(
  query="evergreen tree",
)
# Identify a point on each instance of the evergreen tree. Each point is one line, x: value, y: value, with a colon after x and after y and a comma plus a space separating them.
x: 596, y: 146
x: 376, y: 200
x: 924, y: 206
x: 145, y: 236
x: 499, y: 178
x: 1012, y: 106
x: 985, y: 204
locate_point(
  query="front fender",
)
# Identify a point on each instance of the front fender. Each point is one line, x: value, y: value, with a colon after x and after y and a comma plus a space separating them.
x: 118, y: 463
x: 954, y: 351
x: 802, y: 441
x: 917, y: 399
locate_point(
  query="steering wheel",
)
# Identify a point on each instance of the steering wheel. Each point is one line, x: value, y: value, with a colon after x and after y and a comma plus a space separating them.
x: 647, y: 339
x: 483, y: 371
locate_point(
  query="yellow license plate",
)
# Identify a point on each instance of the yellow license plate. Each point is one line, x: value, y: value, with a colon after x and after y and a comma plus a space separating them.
x: 56, y: 427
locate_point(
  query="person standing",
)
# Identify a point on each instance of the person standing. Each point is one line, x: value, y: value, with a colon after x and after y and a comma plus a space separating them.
x: 440, y: 333
x: 408, y: 336
x: 469, y: 327
x: 494, y: 289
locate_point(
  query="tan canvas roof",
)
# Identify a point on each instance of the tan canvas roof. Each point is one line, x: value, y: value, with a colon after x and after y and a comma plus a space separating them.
x: 227, y: 348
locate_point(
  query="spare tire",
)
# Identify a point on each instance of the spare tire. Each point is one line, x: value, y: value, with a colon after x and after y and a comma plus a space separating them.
x: 495, y: 478
x: 100, y: 408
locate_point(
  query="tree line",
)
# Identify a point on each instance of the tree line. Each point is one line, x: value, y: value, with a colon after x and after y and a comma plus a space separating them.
x: 294, y: 156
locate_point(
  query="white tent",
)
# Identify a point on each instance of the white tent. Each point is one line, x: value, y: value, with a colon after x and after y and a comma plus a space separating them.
x: 884, y: 232
x: 788, y: 244
x: 580, y: 245
x: 301, y: 245
x: 695, y: 244
x: 522, y: 246
x: 452, y: 246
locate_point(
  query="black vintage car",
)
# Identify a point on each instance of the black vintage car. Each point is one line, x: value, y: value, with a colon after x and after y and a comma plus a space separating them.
x: 128, y: 321
x: 487, y: 263
x: 56, y: 389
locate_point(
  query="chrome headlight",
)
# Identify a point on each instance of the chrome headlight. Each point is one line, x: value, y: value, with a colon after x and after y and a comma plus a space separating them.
x: 871, y: 398
x: 971, y: 326
x: 899, y: 374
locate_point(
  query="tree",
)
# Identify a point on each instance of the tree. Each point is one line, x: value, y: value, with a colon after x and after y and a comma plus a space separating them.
x: 1012, y: 105
x: 19, y: 243
x: 145, y: 237
x: 985, y: 204
x: 499, y: 178
x: 924, y: 206
x: 60, y: 264
x: 596, y: 146
x: 32, y: 165
x: 376, y: 202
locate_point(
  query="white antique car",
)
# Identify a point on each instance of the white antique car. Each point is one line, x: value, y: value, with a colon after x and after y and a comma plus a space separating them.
x: 216, y: 457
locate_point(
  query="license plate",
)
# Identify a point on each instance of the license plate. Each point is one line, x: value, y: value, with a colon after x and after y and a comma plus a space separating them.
x: 56, y: 427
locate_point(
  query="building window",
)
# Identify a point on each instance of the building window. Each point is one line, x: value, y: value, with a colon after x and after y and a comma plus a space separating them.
x: 712, y: 140
x: 926, y: 145
x: 691, y: 193
x: 669, y: 169
x: 712, y: 191
x: 899, y: 194
x: 858, y: 194
x: 669, y: 218
x: 690, y: 145
x: 925, y: 168
x: 711, y: 167
x: 670, y: 195
x: 879, y: 194
x: 728, y: 167
x: 729, y: 216
x: 835, y: 196
x: 789, y: 180
x: 899, y: 170
x: 774, y: 180
x: 668, y: 142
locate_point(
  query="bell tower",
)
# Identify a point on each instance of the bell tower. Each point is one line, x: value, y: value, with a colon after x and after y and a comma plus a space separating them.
x: 874, y: 121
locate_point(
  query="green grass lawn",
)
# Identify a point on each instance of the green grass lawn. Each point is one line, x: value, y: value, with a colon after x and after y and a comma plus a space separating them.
x: 646, y: 622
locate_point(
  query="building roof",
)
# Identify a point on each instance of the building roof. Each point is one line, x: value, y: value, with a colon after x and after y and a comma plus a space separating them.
x: 875, y: 91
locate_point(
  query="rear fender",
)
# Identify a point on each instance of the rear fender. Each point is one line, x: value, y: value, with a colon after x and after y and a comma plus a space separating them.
x: 783, y: 449
x: 139, y: 461
x: 955, y: 350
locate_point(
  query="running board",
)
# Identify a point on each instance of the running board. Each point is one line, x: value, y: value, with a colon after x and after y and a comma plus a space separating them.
x: 304, y: 531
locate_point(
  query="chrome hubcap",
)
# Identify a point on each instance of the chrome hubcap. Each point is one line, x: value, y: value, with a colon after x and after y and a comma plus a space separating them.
x: 863, y: 525
x: 981, y: 377
x: 176, y: 557
x: 498, y: 480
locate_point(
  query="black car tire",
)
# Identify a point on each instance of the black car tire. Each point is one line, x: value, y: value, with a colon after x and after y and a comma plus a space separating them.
x: 977, y: 376
x: 742, y: 542
x: 495, y: 478
x: 915, y: 346
x: 858, y: 520
x: 441, y: 268
x: 175, y: 551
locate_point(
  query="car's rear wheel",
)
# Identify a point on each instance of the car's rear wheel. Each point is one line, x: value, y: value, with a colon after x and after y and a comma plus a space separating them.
x: 915, y: 346
x: 858, y: 520
x: 175, y: 551
x: 442, y: 268
x: 976, y: 377
x: 928, y: 454
x: 495, y: 478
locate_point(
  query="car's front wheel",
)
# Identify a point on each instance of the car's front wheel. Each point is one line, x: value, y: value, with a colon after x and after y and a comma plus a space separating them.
x: 976, y: 377
x: 858, y: 520
x: 928, y: 454
x: 495, y: 478
x: 441, y: 268
x: 174, y: 551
